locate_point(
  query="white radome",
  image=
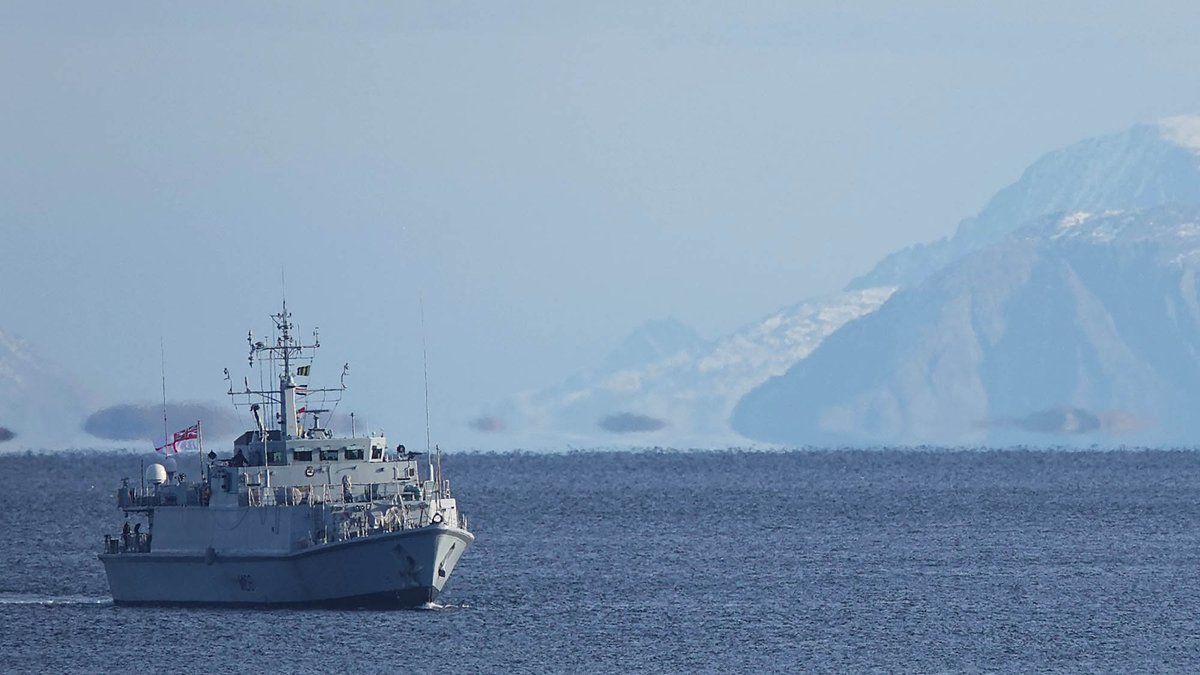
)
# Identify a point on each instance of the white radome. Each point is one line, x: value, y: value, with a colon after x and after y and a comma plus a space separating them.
x: 156, y: 474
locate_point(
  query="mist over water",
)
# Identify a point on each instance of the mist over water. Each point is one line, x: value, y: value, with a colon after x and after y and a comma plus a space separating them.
x: 898, y: 560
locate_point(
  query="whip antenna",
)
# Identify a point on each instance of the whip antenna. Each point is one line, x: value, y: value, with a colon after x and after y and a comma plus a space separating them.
x: 425, y: 366
x: 162, y: 353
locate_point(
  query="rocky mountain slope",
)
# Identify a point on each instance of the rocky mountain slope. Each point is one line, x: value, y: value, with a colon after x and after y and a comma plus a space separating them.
x: 975, y: 346
x: 1071, y: 325
x: 1149, y: 165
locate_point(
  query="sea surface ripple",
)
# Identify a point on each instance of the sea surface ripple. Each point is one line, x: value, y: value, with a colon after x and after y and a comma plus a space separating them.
x: 839, y: 561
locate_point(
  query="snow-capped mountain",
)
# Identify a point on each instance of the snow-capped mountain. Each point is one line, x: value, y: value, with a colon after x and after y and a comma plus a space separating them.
x: 685, y: 394
x: 1074, y: 325
x: 930, y: 362
x: 1146, y: 166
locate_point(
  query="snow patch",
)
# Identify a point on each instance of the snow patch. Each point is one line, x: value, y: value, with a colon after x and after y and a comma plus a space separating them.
x: 1188, y: 230
x: 1069, y: 224
x: 1183, y: 258
x: 1073, y: 219
x: 1183, y: 131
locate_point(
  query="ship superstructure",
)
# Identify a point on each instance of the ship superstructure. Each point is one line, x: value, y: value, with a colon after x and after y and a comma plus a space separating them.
x: 295, y: 514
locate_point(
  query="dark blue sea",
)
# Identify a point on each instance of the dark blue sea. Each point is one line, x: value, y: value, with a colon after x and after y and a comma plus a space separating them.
x: 842, y: 561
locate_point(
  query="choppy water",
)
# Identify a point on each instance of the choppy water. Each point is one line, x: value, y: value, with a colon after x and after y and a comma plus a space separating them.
x: 683, y: 562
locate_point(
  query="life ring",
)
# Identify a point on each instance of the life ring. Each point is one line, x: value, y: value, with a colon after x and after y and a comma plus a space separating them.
x: 437, y: 518
x: 309, y: 471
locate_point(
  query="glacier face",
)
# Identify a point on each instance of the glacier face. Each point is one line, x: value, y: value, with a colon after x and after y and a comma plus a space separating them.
x: 1074, y: 325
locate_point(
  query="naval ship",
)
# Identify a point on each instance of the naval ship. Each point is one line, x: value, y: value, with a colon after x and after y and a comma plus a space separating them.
x: 295, y: 515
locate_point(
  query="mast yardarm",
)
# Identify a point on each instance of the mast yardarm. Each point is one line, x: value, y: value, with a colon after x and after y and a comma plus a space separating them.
x: 288, y: 359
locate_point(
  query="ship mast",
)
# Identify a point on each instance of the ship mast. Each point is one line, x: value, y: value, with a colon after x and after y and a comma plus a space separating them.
x: 286, y: 352
x: 289, y: 426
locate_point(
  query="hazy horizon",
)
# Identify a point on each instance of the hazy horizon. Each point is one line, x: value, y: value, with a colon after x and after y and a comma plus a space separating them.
x: 536, y: 179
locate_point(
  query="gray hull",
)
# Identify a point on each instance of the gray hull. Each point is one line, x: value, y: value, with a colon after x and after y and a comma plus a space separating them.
x: 401, y: 569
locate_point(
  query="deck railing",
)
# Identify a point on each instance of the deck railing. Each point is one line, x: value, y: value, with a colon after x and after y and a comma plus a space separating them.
x: 133, y: 542
x: 348, y: 512
x: 259, y: 495
x: 361, y: 521
x: 305, y: 495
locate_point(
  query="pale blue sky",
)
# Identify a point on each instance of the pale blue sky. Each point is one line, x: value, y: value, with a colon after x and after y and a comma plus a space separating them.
x: 549, y: 174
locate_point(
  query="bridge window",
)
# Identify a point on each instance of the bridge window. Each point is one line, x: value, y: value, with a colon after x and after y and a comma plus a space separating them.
x: 354, y: 453
x: 329, y: 455
x: 302, y: 455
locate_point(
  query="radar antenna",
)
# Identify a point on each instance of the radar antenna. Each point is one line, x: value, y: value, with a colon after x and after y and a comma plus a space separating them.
x: 289, y: 358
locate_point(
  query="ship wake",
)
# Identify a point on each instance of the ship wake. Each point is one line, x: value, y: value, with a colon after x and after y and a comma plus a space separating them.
x: 54, y: 600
